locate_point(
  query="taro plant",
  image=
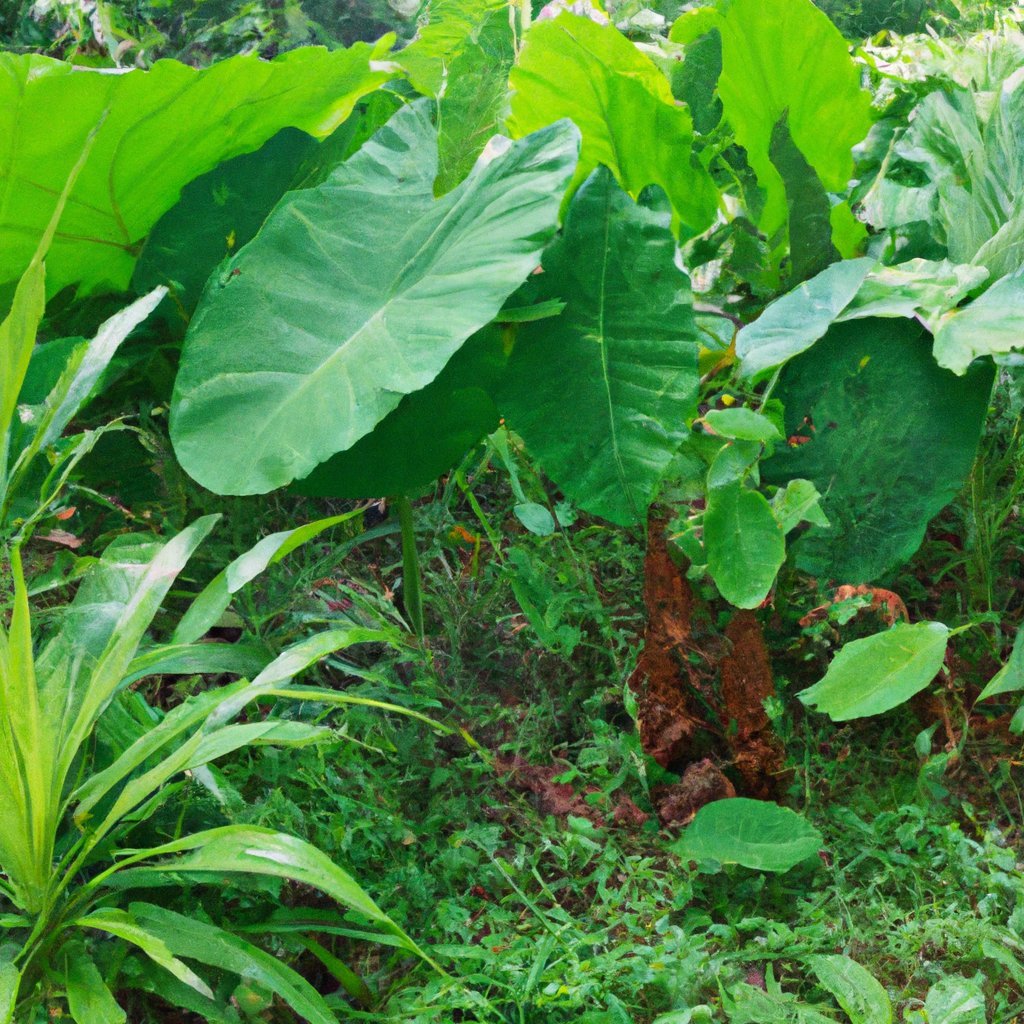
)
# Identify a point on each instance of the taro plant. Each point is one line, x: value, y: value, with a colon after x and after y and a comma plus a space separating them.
x: 81, y: 776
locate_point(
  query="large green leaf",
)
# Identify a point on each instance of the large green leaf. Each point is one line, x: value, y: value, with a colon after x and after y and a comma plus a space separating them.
x: 853, y: 290
x: 160, y: 129
x: 602, y: 393
x: 475, y: 98
x: 223, y: 209
x: 745, y: 543
x: 426, y: 434
x: 888, y: 439
x: 880, y: 672
x: 856, y: 990
x: 786, y: 59
x: 753, y: 833
x: 573, y: 67
x: 341, y: 305
x: 452, y: 27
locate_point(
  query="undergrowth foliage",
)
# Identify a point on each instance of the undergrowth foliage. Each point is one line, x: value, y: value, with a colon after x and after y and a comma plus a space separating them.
x: 649, y: 377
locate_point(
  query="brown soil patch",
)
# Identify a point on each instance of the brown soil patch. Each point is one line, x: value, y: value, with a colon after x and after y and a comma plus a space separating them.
x: 561, y: 799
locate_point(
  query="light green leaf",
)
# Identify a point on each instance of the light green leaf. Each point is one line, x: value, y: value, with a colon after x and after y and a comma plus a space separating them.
x: 753, y: 833
x: 74, y: 704
x: 786, y: 58
x: 196, y: 940
x: 856, y: 990
x: 536, y: 518
x: 955, y: 1001
x: 573, y: 67
x: 207, y: 608
x: 601, y: 394
x: 89, y: 999
x: 742, y: 424
x: 745, y: 544
x: 17, y: 341
x: 989, y: 326
x: 917, y: 288
x: 452, y: 27
x: 243, y: 658
x: 1010, y: 677
x: 798, y: 502
x: 475, y: 97
x: 793, y: 323
x: 10, y: 981
x: 161, y: 128
x: 259, y: 851
x: 344, y: 323
x: 124, y: 926
x: 890, y: 439
x: 75, y: 385
x: 880, y: 672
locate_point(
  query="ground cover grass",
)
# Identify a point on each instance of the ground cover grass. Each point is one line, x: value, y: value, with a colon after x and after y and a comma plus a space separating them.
x: 551, y: 917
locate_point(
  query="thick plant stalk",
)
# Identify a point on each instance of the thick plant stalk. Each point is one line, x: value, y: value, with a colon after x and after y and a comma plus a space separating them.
x: 411, y: 591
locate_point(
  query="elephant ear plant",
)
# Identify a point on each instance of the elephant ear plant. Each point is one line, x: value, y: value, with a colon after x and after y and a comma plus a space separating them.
x: 75, y: 796
x: 348, y: 312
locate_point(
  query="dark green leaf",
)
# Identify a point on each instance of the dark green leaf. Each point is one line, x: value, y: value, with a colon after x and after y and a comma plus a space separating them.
x: 602, y: 393
x: 892, y: 438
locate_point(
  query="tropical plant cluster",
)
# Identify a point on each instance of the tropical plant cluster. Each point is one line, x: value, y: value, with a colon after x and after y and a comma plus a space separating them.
x: 341, y: 395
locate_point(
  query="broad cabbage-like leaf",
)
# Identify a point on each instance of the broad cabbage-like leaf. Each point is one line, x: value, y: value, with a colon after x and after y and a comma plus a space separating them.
x: 972, y: 155
x: 886, y: 435
x: 158, y: 129
x: 354, y: 294
x: 623, y: 105
x: 992, y: 325
x: 602, y: 393
x: 857, y: 290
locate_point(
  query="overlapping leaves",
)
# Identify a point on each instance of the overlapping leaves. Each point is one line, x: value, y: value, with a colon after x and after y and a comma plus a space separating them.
x: 155, y: 131
x: 335, y: 311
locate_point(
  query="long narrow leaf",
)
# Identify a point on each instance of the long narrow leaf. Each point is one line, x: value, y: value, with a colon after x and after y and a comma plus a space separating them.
x: 76, y: 384
x: 208, y: 607
x: 124, y: 926
x: 77, y: 709
x: 259, y: 851
x: 196, y: 940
